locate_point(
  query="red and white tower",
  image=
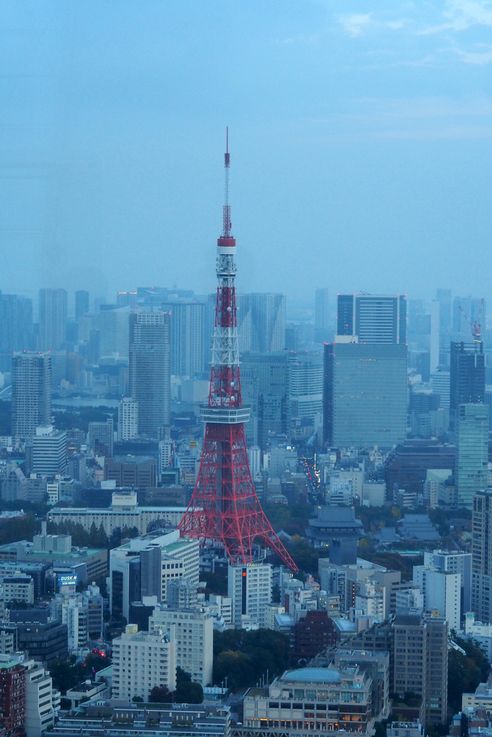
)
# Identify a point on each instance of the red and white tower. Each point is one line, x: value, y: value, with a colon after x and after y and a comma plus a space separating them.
x: 224, y: 506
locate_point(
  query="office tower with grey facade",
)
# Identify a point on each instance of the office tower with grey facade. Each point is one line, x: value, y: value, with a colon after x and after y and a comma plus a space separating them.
x: 150, y: 370
x: 371, y: 318
x: 31, y: 393
x: 187, y: 351
x: 472, y: 434
x: 364, y: 394
x: 52, y: 319
x: 481, y: 597
x: 261, y: 322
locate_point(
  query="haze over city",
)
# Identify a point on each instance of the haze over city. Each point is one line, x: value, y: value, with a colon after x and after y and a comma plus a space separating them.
x: 360, y: 137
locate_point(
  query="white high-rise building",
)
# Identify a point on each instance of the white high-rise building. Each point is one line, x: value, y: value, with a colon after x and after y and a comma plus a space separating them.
x: 49, y: 451
x: 41, y: 701
x: 142, y: 660
x: 442, y: 593
x: 128, y: 419
x: 194, y: 639
x: 452, y: 561
x: 250, y: 590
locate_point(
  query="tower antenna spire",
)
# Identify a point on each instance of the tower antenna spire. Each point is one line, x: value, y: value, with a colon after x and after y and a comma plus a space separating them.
x: 226, y: 212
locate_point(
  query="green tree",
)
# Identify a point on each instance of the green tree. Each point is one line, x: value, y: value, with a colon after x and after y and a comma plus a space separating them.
x: 465, y: 672
x: 187, y: 691
x: 243, y: 657
x: 160, y: 695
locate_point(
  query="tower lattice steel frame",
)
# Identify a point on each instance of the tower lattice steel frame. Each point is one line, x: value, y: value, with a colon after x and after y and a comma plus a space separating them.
x: 224, y: 506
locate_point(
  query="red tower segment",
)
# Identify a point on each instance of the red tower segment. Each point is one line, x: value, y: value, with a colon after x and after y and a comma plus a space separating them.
x: 224, y: 506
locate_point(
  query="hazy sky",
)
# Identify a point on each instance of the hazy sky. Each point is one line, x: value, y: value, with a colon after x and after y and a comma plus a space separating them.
x: 361, y: 137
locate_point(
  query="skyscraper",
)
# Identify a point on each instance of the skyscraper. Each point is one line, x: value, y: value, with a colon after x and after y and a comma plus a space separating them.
x: 127, y: 419
x: 261, y: 322
x: 150, y: 370
x: 52, y: 318
x: 472, y: 434
x: 372, y: 318
x: 322, y: 315
x: 81, y: 303
x: 264, y: 377
x: 364, y: 394
x: 31, y: 393
x: 467, y: 376
x: 304, y: 390
x: 16, y: 333
x: 186, y: 337
x: 481, y: 599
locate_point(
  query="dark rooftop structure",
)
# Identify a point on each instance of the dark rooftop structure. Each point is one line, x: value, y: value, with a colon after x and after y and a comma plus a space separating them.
x: 338, y: 529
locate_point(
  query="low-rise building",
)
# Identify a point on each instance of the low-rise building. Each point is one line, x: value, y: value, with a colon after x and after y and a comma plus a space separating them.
x: 111, y: 720
x: 312, y: 700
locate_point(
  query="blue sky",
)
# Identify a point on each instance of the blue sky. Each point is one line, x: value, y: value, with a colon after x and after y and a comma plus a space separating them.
x: 361, y: 137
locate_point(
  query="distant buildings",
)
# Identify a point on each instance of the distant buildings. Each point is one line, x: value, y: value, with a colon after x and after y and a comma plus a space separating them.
x: 31, y: 393
x: 150, y: 370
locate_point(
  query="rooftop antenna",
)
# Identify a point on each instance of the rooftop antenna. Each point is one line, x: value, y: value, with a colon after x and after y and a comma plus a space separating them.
x: 226, y: 213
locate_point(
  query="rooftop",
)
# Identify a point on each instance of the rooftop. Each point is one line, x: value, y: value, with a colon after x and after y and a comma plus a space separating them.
x: 312, y: 675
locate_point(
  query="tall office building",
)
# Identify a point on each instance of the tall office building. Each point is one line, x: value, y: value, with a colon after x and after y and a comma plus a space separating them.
x: 472, y: 434
x: 52, y: 319
x: 364, y: 394
x: 467, y: 377
x: 81, y: 303
x: 441, y: 593
x: 261, y: 322
x: 127, y: 419
x: 264, y: 383
x: 194, y: 639
x: 100, y: 437
x: 31, y: 393
x: 150, y: 370
x: 371, y: 318
x: 481, y: 598
x: 420, y: 663
x: 17, y: 328
x: 141, y: 661
x: 322, y: 315
x: 49, y: 451
x: 250, y: 589
x: 186, y: 337
x: 304, y: 390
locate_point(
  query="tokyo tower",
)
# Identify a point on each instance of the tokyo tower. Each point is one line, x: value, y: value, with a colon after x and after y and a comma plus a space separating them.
x: 224, y: 506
